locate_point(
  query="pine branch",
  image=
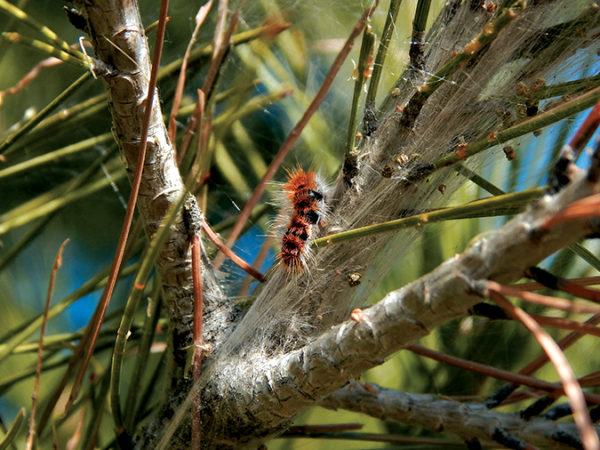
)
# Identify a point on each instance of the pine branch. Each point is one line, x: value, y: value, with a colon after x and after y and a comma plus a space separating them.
x: 263, y: 395
x: 467, y: 420
x: 118, y: 38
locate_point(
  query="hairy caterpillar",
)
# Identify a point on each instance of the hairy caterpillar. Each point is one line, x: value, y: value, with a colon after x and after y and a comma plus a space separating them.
x: 307, y: 203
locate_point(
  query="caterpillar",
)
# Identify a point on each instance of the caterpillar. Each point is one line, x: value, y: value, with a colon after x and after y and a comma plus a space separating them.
x: 307, y: 203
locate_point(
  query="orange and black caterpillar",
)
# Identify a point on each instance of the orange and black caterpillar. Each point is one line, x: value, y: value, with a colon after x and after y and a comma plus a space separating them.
x: 307, y: 212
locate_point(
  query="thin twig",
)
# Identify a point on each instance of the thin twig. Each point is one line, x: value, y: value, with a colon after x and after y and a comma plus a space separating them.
x: 570, y: 286
x: 566, y: 324
x: 200, y: 18
x: 258, y: 262
x: 417, y: 44
x: 195, y: 121
x: 496, y: 313
x: 583, y: 281
x: 221, y: 45
x: 198, y: 344
x: 198, y: 303
x: 545, y: 300
x: 584, y: 133
x: 199, y: 171
x: 38, y: 371
x: 210, y: 234
x: 570, y: 385
x: 591, y: 379
x: 564, y: 343
x: 503, y: 392
x: 552, y: 388
x: 585, y: 208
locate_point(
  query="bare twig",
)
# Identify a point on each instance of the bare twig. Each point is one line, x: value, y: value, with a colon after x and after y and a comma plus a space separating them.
x: 210, y: 234
x: 553, y: 388
x: 198, y: 345
x: 36, y: 386
x: 220, y: 46
x: 546, y: 300
x: 562, y: 168
x: 199, y: 171
x: 194, y: 126
x: 572, y: 287
x: 584, y: 281
x: 504, y: 391
x: 566, y: 324
x: 564, y: 343
x: 555, y: 354
x: 200, y: 18
x: 258, y: 262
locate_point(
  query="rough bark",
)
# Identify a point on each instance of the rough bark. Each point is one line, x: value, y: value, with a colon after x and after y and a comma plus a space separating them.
x: 120, y: 43
x: 467, y: 420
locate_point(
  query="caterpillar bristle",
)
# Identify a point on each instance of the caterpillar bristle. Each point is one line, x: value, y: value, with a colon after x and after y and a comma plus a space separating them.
x: 307, y: 210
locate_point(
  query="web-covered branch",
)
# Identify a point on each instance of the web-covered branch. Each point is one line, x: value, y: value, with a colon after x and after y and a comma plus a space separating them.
x: 263, y: 395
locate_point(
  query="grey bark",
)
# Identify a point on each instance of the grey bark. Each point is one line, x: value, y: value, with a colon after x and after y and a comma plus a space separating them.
x: 120, y: 44
x: 467, y: 420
